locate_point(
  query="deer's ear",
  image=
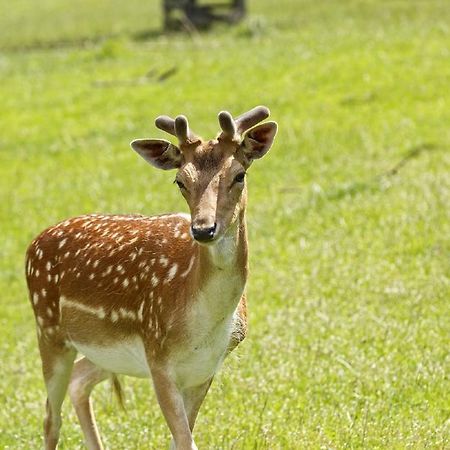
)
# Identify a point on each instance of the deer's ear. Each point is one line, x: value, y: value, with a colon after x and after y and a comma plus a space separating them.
x: 258, y: 140
x: 158, y: 152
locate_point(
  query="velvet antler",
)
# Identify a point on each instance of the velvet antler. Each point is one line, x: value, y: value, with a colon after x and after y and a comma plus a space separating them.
x: 251, y: 118
x: 230, y: 127
x: 227, y: 124
x: 178, y: 127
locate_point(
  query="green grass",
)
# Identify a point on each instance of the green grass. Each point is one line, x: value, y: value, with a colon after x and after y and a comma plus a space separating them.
x: 350, y: 263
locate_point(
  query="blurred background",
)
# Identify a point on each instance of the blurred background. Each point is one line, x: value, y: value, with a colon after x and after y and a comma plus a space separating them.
x: 348, y: 214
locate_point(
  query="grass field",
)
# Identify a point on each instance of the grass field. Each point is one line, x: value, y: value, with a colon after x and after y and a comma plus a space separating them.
x: 349, y: 216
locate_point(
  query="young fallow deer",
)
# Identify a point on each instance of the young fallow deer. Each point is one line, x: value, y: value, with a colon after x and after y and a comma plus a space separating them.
x: 160, y: 297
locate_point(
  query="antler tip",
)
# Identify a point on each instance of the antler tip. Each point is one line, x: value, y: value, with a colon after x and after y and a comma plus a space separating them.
x: 165, y: 123
x: 224, y: 114
x: 263, y: 110
x: 251, y: 118
x: 227, y: 124
x: 181, y: 118
x: 182, y: 128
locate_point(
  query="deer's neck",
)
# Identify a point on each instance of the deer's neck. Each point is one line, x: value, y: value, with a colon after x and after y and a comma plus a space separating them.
x: 230, y: 253
x: 222, y: 272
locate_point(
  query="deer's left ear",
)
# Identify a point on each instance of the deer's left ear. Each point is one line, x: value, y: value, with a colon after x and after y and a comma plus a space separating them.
x: 257, y: 141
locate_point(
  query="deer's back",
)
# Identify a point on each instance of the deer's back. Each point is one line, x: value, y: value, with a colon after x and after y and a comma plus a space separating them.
x: 113, y: 269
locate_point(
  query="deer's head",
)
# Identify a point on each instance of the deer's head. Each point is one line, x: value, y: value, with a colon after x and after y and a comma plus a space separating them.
x: 211, y: 174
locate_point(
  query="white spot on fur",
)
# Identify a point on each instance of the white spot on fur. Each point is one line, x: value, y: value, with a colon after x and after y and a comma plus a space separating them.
x: 62, y: 242
x: 155, y: 280
x: 125, y: 314
x: 189, y: 268
x: 141, y: 312
x: 29, y: 268
x: 163, y: 261
x: 35, y: 298
x: 171, y: 273
x: 98, y: 312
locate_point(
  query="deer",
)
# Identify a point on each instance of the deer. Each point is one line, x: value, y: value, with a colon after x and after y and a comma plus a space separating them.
x: 159, y: 297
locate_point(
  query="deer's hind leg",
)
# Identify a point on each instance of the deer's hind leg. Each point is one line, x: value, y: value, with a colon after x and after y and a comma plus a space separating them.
x: 57, y: 363
x: 84, y: 378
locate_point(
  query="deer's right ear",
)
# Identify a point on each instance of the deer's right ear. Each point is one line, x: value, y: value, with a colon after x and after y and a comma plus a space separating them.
x: 257, y: 141
x: 158, y: 152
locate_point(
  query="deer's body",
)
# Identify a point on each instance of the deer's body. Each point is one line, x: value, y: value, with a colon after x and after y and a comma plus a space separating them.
x: 117, y: 275
x: 159, y: 297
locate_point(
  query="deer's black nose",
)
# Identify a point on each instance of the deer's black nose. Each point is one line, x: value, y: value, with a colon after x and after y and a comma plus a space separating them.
x: 203, y: 234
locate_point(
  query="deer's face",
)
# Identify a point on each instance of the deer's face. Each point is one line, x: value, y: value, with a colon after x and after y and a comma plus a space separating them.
x: 212, y: 181
x: 211, y: 175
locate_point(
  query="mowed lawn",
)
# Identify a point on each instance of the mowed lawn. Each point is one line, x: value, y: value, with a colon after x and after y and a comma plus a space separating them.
x: 349, y: 221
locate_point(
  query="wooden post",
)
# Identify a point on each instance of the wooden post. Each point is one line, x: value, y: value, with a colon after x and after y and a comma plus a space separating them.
x: 193, y: 14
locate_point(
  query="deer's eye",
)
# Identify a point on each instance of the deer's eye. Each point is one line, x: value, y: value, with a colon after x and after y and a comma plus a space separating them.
x: 180, y: 184
x: 239, y: 178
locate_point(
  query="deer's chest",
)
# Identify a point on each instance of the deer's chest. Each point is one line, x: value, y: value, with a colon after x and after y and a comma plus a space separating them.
x: 210, y: 319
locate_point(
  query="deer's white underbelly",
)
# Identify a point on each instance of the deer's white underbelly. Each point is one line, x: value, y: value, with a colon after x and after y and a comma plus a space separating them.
x: 126, y: 357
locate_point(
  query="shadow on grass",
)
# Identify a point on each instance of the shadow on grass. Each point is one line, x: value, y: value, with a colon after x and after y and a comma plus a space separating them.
x: 86, y: 41
x: 152, y: 76
x: 375, y: 184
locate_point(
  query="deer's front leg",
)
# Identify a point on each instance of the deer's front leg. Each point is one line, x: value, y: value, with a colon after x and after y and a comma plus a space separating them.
x: 172, y: 405
x: 193, y: 398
